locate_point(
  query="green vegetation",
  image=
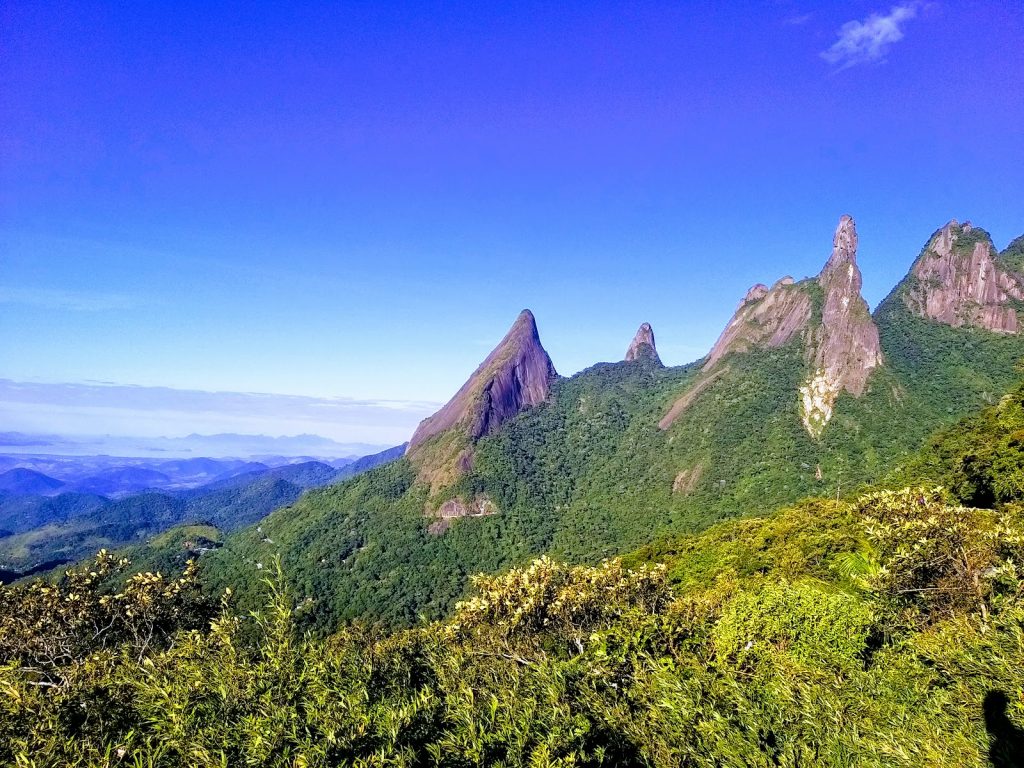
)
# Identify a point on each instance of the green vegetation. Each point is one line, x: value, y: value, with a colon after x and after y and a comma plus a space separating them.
x: 43, y: 531
x: 1013, y: 256
x: 884, y: 632
x: 589, y: 474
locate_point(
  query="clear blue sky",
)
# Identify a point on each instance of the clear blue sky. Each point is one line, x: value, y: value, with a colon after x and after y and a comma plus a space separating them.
x: 356, y: 199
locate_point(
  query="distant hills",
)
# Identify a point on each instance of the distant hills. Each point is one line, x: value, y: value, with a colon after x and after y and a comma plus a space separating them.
x: 215, y: 446
x: 45, y: 521
x: 22, y: 482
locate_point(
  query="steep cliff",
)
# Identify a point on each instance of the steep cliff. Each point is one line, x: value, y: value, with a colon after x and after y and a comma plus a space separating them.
x: 515, y: 376
x: 958, y: 281
x: 642, y: 347
x: 829, y: 317
x: 844, y: 347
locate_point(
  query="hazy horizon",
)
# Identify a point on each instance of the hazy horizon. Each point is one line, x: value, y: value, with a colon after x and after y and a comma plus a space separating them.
x: 346, y: 207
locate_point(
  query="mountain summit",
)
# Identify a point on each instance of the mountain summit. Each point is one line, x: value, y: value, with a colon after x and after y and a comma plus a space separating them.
x: 845, y: 346
x: 958, y: 281
x: 829, y: 317
x: 515, y: 376
x: 642, y: 347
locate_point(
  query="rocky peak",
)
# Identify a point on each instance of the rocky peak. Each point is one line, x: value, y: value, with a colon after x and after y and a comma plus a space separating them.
x: 515, y: 376
x: 844, y: 245
x: 845, y: 347
x: 841, y: 348
x: 642, y: 347
x: 756, y: 292
x: 765, y: 318
x: 957, y: 280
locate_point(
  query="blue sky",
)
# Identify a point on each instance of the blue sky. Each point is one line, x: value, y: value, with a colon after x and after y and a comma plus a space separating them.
x: 354, y: 200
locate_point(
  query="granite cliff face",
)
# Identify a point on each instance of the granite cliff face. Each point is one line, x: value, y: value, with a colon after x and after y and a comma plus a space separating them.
x: 515, y: 376
x: 844, y: 348
x: 642, y: 347
x: 765, y: 318
x: 958, y: 280
x: 827, y: 314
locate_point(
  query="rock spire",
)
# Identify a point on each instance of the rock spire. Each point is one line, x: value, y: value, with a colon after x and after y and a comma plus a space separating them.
x: 827, y: 314
x: 642, y: 347
x: 515, y: 376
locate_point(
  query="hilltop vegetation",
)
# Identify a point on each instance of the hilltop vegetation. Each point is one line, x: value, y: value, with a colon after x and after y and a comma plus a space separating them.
x: 884, y: 632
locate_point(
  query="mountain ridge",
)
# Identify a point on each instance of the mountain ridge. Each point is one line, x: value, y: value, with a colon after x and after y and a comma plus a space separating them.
x: 515, y: 376
x: 589, y: 471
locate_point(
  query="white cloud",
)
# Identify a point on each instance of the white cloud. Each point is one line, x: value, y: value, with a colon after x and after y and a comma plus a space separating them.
x: 115, y: 409
x: 867, y: 41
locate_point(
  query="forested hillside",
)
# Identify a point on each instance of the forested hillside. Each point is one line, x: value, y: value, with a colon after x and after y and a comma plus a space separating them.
x: 887, y: 630
x: 598, y: 469
x: 40, y: 532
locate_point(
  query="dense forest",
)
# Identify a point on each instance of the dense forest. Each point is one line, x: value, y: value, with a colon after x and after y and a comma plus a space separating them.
x: 883, y: 629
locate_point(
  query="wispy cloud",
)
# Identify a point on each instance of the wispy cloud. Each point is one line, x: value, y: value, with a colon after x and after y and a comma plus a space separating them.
x: 116, y: 409
x: 798, y: 20
x: 74, y: 301
x: 867, y: 41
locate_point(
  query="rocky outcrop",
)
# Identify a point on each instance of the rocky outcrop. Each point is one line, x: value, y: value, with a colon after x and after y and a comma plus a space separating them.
x: 642, y: 347
x: 826, y: 314
x: 686, y: 480
x: 844, y: 348
x: 765, y: 318
x: 454, y: 509
x: 957, y: 280
x: 515, y: 376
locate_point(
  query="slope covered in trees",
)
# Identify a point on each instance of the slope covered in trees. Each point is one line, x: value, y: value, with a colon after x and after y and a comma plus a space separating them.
x: 883, y: 631
x: 589, y: 473
x: 40, y: 532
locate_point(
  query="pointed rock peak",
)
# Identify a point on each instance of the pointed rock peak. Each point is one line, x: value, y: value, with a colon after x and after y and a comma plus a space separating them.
x: 642, y: 347
x: 841, y: 344
x: 515, y: 376
x: 958, y: 280
x: 846, y: 347
x: 844, y: 245
x: 525, y: 321
x: 755, y: 293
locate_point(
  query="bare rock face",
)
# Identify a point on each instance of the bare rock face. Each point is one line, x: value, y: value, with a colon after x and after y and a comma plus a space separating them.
x: 765, y: 318
x: 841, y: 346
x: 642, y: 347
x: 958, y: 281
x: 515, y: 376
x: 845, y: 346
x: 686, y: 480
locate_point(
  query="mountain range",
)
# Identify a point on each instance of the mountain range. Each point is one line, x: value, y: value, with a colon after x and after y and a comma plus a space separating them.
x: 806, y: 392
x: 45, y: 522
x: 224, y: 445
x: 816, y: 532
